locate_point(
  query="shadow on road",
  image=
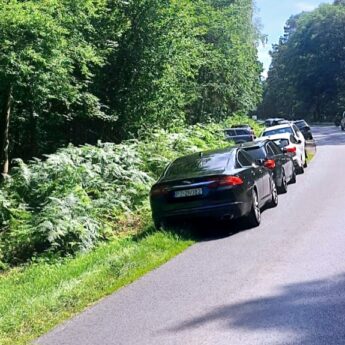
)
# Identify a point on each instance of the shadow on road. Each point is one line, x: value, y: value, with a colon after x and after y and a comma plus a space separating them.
x: 207, y: 229
x: 312, y: 312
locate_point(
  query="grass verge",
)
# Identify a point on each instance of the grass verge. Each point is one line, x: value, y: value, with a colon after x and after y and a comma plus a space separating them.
x: 36, y: 298
x: 310, y: 157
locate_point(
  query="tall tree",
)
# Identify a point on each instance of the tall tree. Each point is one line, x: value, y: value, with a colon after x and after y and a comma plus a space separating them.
x: 48, y: 51
x: 307, y: 75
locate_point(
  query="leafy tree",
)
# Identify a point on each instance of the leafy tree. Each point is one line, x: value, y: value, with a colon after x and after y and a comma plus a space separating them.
x: 183, y: 61
x: 48, y: 50
x: 307, y: 78
x: 79, y: 71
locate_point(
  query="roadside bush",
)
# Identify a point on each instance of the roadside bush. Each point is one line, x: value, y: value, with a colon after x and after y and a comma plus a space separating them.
x: 81, y: 195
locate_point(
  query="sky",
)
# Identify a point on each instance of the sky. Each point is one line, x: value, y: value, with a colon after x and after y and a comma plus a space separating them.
x: 273, y: 15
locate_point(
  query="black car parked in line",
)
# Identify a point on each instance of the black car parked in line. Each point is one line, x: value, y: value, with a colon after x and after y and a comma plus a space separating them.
x: 222, y: 184
x: 267, y: 153
x: 239, y: 135
x: 305, y: 129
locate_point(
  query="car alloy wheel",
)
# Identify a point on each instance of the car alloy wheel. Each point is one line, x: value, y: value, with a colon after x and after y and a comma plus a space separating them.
x: 254, y: 217
x: 301, y: 170
x: 294, y: 177
x: 274, y: 201
x: 305, y: 163
x: 284, y: 186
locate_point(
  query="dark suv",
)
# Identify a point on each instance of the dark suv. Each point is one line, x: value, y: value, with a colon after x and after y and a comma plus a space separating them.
x: 239, y: 135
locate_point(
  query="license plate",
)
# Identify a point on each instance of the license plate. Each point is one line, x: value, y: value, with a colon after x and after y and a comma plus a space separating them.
x: 188, y: 193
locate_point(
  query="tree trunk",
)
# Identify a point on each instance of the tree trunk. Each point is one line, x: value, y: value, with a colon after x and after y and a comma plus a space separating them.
x: 33, y: 149
x: 5, y: 126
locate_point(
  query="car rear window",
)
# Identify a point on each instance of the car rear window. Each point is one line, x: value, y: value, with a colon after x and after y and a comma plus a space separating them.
x: 256, y: 152
x: 230, y: 132
x: 242, y: 132
x: 282, y: 142
x: 301, y: 124
x: 278, y: 131
x: 208, y: 163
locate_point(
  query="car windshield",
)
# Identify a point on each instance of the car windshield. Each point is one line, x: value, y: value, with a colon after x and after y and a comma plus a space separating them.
x: 256, y: 152
x: 201, y: 164
x: 278, y: 131
x: 282, y: 142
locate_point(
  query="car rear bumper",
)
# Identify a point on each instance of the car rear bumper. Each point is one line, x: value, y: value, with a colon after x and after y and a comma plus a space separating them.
x: 221, y: 211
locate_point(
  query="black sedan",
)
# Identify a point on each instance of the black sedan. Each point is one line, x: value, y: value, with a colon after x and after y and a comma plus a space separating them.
x: 270, y: 155
x: 222, y: 184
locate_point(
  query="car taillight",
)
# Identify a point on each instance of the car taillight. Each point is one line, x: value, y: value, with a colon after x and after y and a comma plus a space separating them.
x: 223, y: 181
x: 270, y: 164
x: 291, y: 149
x: 159, y: 190
x: 230, y: 181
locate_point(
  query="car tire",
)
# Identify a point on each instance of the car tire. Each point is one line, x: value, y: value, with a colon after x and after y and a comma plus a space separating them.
x: 274, y: 199
x: 306, y: 162
x: 301, y: 170
x: 284, y: 186
x: 294, y: 177
x: 254, y: 217
x: 157, y: 223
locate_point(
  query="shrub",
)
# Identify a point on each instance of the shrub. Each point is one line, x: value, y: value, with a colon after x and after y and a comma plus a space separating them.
x: 79, y: 195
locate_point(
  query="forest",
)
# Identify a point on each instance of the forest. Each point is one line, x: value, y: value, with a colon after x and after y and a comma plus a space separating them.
x: 97, y: 96
x: 87, y: 70
x: 307, y: 75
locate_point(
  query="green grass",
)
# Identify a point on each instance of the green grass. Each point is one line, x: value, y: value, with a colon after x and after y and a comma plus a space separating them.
x: 310, y: 157
x: 36, y: 298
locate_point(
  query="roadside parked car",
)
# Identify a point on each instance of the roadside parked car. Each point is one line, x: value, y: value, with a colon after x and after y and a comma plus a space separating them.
x: 342, y: 122
x: 337, y: 121
x: 275, y: 122
x: 305, y: 129
x: 291, y: 129
x: 267, y: 153
x: 244, y: 126
x: 221, y: 184
x: 239, y: 135
x: 292, y: 146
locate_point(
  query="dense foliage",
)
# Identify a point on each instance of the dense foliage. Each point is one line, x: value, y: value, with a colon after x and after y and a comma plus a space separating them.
x: 81, y: 195
x: 86, y: 70
x: 307, y: 75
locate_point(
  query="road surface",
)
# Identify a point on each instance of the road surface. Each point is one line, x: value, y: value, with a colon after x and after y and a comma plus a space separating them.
x: 282, y: 283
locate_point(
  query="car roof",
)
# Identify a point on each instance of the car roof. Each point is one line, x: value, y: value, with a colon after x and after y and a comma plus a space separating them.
x: 245, y: 127
x: 277, y: 136
x: 275, y: 119
x: 209, y: 153
x: 200, y: 164
x: 256, y: 143
x: 278, y: 127
x: 300, y: 121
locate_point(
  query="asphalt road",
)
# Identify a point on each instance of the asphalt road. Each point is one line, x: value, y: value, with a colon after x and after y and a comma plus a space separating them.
x: 282, y: 283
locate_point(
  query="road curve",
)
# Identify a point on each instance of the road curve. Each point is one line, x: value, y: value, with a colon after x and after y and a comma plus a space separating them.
x: 283, y: 283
